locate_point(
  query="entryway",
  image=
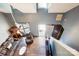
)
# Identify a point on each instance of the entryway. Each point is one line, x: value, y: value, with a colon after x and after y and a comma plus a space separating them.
x: 41, y: 30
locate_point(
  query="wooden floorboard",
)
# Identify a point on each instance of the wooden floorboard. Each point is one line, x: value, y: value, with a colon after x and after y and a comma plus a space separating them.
x: 37, y: 48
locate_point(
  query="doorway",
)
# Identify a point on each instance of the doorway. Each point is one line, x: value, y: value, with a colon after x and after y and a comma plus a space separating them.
x: 41, y: 30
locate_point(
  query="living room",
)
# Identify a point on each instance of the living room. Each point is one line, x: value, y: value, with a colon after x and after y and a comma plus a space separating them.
x: 40, y: 19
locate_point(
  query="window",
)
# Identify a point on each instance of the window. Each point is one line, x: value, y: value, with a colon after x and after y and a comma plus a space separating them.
x: 42, y: 5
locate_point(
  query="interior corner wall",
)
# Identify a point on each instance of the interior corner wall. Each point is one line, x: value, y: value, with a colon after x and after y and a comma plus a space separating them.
x: 4, y: 26
x: 71, y: 28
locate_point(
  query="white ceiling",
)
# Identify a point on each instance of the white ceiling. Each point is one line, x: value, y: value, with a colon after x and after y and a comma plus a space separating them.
x: 25, y: 7
x: 61, y: 7
x: 52, y: 7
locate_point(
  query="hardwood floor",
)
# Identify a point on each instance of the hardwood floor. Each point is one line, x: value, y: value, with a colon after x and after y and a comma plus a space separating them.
x: 37, y: 48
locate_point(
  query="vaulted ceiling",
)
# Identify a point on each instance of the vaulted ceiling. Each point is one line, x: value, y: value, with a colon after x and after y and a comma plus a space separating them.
x: 25, y: 7
x: 61, y: 7
x: 52, y: 7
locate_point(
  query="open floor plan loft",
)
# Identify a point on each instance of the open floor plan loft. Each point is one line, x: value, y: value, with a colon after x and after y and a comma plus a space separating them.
x: 39, y: 29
